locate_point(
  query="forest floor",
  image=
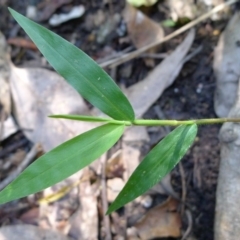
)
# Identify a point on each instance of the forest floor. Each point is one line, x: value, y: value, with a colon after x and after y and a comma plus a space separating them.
x: 189, y: 97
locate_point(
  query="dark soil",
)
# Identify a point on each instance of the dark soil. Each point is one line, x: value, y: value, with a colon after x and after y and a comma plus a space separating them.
x: 191, y: 96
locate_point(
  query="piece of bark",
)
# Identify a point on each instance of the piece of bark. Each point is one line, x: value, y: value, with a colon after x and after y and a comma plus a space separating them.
x: 227, y: 217
x: 226, y: 67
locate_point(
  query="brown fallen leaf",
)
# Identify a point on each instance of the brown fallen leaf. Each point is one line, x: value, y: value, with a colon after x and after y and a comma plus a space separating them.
x: 49, y: 7
x: 22, y: 42
x: 29, y: 232
x: 137, y: 133
x: 38, y: 93
x: 131, y: 159
x: 114, y: 186
x: 31, y: 216
x: 7, y: 124
x: 226, y: 67
x: 144, y: 93
x: 161, y: 221
x: 8, y: 128
x: 142, y: 30
x: 114, y: 165
x: 59, y: 202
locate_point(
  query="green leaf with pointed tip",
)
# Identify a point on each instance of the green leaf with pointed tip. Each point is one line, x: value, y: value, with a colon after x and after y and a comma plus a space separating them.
x: 157, y: 164
x: 79, y: 70
x: 91, y: 119
x: 62, y: 161
x: 81, y: 118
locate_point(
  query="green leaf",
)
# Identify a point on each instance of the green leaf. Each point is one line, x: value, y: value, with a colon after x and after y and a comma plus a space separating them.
x: 79, y: 70
x: 157, y: 164
x: 138, y: 3
x: 63, y: 161
x: 169, y: 23
x: 81, y: 118
x: 90, y: 119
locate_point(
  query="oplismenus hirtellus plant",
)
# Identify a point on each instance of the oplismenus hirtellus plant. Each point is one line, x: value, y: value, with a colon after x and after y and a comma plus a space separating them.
x: 97, y: 87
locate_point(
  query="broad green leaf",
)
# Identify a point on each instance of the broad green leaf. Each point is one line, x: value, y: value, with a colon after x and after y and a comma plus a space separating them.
x: 63, y: 161
x: 157, y: 164
x: 79, y: 70
x: 90, y: 119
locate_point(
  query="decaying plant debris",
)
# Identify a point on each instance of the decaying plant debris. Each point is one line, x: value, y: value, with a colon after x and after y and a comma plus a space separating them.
x: 180, y: 101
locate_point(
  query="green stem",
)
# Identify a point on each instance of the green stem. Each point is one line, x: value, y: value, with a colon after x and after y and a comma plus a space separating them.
x: 148, y: 122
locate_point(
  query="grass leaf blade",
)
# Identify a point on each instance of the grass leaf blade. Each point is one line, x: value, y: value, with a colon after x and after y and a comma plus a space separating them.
x: 157, y: 164
x: 83, y: 118
x: 62, y: 162
x: 79, y: 70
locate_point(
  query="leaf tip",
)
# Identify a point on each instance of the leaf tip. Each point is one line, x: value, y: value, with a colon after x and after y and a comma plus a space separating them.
x: 111, y: 209
x: 108, y: 212
x: 115, y: 205
x: 12, y: 11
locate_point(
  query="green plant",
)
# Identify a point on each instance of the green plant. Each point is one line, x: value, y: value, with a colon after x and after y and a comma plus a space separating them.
x: 99, y: 89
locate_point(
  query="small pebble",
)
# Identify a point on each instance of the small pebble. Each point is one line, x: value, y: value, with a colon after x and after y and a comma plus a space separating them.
x: 58, y: 19
x: 199, y: 88
x: 31, y: 12
x: 147, y: 201
x: 176, y: 90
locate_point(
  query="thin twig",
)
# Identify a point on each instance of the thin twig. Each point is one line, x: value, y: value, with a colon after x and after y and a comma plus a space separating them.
x: 104, y: 199
x: 193, y: 54
x: 164, y: 55
x: 190, y: 223
x: 2, y: 116
x: 129, y: 56
x: 184, y: 189
x: 154, y: 55
x: 10, y: 208
x: 29, y: 157
x: 102, y: 62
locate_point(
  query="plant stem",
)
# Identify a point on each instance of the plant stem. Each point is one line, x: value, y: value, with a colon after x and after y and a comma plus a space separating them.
x: 148, y: 122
